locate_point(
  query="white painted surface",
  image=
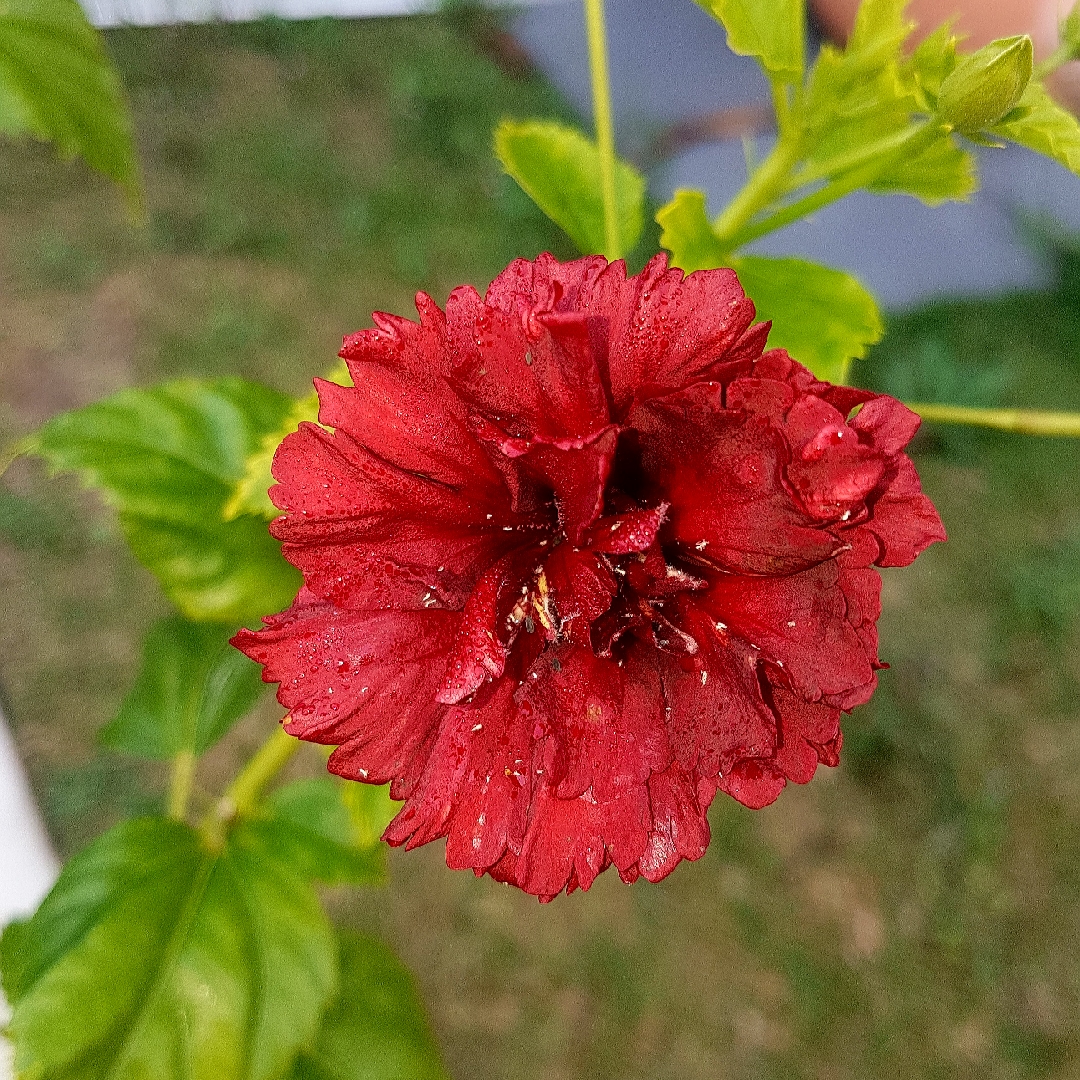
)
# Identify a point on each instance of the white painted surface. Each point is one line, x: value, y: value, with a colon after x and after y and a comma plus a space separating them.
x: 26, y: 856
x: 28, y: 865
x: 161, y: 12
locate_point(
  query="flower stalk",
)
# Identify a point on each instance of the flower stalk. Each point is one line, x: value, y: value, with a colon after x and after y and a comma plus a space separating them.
x: 736, y: 227
x: 246, y: 790
x: 605, y: 127
x: 1020, y: 421
x: 268, y: 761
x: 180, y: 784
x: 770, y: 182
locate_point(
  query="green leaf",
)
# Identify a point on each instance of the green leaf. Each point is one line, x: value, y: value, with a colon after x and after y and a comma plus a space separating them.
x: 559, y: 168
x: 250, y: 494
x: 881, y: 27
x: 823, y: 317
x: 57, y: 83
x: 688, y: 235
x: 943, y: 171
x: 168, y: 458
x: 853, y: 101
x: 1069, y: 32
x: 862, y: 101
x: 193, y: 686
x: 370, y: 810
x: 1043, y: 126
x: 309, y: 824
x: 14, y: 117
x: 376, y: 1029
x: 153, y: 957
x: 12, y: 948
x: 859, y: 97
x: 772, y: 31
x: 934, y: 60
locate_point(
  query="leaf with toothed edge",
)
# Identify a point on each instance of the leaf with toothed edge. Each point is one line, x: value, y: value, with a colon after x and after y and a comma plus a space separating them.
x: 167, y: 458
x: 154, y: 956
x: 559, y: 168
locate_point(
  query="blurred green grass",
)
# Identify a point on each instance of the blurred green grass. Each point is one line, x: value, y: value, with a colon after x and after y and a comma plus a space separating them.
x: 915, y: 913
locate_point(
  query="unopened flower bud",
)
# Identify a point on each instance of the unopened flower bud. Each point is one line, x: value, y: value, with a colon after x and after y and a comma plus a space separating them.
x: 985, y: 86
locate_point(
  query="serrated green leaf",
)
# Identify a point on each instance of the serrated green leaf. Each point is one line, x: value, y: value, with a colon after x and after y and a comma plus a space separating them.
x: 250, y: 494
x: 862, y: 83
x: 1043, y: 126
x: 168, y: 458
x: 688, y: 235
x: 855, y: 100
x: 57, y: 83
x: 310, y: 827
x: 823, y: 317
x: 153, y: 957
x: 881, y: 27
x: 942, y: 172
x: 860, y: 101
x: 559, y: 168
x: 772, y: 31
x: 192, y: 687
x: 934, y: 59
x: 376, y: 1029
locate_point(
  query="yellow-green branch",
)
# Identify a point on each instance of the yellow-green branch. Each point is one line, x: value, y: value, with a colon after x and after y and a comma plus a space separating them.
x: 269, y: 760
x: 183, y: 777
x: 246, y: 790
x: 1021, y: 421
x: 605, y: 127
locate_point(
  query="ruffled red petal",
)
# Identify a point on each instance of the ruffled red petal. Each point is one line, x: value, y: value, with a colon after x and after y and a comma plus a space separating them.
x: 365, y: 682
x: 903, y: 518
x: 695, y: 448
x: 806, y: 623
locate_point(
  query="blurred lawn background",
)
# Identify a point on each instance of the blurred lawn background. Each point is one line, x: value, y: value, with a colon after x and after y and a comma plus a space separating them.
x: 914, y: 913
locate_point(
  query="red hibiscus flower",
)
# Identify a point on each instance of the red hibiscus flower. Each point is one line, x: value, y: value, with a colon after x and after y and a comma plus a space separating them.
x: 577, y: 554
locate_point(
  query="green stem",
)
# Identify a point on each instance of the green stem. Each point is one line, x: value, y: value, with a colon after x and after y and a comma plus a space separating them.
x: 245, y: 791
x: 1021, y: 421
x: 183, y: 776
x: 781, y: 105
x: 605, y: 127
x: 914, y: 143
x: 269, y: 760
x: 770, y: 181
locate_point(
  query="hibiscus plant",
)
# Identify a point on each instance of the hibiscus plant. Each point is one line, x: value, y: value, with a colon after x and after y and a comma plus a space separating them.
x: 556, y: 565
